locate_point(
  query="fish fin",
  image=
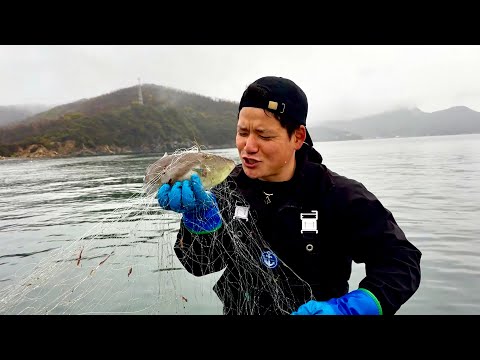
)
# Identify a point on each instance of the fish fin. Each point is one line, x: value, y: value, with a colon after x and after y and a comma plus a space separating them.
x: 165, y: 155
x: 200, y: 171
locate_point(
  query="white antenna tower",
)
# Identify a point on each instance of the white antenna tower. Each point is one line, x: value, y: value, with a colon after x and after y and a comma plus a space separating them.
x: 140, y: 97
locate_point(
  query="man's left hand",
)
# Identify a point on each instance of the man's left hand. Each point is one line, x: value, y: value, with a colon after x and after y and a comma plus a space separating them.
x: 357, y: 302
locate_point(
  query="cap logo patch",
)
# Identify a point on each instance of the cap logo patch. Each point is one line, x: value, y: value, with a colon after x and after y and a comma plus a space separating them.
x: 272, y: 105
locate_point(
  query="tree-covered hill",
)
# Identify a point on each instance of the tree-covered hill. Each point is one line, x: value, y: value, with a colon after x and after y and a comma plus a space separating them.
x: 167, y: 119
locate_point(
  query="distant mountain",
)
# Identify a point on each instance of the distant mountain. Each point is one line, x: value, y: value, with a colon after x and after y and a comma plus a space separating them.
x: 411, y: 122
x: 322, y: 133
x: 14, y: 113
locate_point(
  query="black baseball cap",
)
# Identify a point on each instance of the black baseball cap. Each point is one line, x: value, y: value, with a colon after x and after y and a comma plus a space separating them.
x: 280, y: 96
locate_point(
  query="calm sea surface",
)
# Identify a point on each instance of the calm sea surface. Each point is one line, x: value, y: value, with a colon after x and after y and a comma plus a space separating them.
x: 49, y: 208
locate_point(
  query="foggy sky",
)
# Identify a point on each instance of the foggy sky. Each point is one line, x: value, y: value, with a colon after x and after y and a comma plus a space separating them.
x: 341, y: 82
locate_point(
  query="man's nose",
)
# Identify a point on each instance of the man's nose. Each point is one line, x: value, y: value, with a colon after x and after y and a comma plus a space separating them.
x: 251, y: 145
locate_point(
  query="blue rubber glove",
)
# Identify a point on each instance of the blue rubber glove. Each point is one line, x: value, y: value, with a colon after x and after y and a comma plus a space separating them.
x: 199, y: 207
x: 357, y: 302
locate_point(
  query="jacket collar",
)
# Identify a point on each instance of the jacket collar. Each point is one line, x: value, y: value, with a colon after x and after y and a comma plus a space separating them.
x: 310, y: 176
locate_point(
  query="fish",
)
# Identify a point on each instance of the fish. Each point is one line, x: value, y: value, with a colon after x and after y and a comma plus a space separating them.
x: 211, y: 168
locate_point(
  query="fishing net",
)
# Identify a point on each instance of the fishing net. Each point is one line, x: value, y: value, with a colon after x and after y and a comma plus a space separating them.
x: 126, y: 264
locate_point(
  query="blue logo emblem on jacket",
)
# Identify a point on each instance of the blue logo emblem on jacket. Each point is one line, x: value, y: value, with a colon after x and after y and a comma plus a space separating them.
x: 269, y: 259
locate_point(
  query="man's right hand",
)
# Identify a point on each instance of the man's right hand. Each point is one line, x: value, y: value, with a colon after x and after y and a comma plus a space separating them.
x: 185, y: 196
x: 199, y: 207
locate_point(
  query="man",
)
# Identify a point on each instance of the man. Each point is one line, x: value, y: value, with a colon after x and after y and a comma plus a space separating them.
x: 284, y: 228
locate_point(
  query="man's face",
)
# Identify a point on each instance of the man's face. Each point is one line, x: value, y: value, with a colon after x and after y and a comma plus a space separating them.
x: 266, y: 150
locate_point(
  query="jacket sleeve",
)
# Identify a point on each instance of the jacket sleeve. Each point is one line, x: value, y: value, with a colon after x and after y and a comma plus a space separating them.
x: 392, y: 263
x: 202, y: 254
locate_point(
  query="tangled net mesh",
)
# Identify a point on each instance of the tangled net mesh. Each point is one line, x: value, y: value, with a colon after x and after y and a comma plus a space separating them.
x: 126, y: 264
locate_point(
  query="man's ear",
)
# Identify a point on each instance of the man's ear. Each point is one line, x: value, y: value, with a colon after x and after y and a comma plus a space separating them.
x: 300, y: 135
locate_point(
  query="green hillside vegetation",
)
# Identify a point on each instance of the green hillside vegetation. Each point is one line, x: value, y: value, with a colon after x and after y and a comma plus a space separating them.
x: 167, y: 120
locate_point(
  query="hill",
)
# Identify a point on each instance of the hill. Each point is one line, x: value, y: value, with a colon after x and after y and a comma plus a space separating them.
x: 168, y: 119
x: 117, y: 123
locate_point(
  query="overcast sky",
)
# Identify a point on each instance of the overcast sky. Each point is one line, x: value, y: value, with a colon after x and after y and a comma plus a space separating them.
x: 341, y: 82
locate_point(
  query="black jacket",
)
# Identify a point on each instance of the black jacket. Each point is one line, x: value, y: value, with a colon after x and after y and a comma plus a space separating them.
x: 314, y: 250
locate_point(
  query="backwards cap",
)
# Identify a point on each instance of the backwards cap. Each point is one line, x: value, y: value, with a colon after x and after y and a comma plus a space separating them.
x: 279, y: 95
